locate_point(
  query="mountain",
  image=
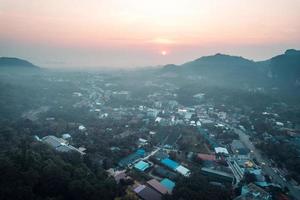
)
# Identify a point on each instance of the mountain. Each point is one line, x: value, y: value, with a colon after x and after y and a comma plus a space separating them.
x: 285, y: 68
x: 8, y: 62
x: 222, y: 69
x: 282, y: 71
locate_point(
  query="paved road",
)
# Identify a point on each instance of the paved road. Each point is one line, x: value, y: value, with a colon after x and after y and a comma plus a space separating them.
x: 295, y: 192
x: 152, y: 153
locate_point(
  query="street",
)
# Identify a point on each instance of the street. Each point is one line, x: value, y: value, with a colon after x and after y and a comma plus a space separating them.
x: 266, y: 167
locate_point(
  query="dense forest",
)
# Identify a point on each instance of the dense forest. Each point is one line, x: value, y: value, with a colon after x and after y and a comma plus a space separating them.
x: 32, y: 170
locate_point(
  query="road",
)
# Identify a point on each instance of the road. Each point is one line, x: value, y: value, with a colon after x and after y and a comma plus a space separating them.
x: 151, y: 154
x: 295, y: 192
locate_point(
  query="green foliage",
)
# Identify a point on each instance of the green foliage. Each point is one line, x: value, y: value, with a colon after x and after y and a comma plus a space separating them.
x: 32, y: 170
x: 197, y: 187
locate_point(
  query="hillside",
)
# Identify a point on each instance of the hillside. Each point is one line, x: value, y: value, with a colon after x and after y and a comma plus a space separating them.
x: 222, y: 69
x: 285, y: 68
x: 227, y: 70
x: 15, y: 62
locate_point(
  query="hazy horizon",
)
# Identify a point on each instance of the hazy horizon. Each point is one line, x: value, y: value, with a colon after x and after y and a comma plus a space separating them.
x: 136, y: 33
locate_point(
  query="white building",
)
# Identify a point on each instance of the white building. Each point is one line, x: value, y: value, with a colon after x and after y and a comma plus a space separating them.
x: 183, y: 171
x: 82, y: 128
x: 221, y: 150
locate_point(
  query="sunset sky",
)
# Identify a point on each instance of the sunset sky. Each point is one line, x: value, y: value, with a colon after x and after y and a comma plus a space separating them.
x: 131, y: 33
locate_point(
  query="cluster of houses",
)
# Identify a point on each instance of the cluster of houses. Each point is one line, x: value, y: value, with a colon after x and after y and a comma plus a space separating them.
x: 226, y: 163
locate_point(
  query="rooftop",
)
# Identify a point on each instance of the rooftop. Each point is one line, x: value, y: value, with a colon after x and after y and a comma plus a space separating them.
x: 131, y: 158
x: 147, y: 193
x: 183, y: 170
x: 170, y: 163
x: 168, y: 184
x: 221, y: 150
x: 153, y: 183
x: 142, y: 165
x: 210, y: 157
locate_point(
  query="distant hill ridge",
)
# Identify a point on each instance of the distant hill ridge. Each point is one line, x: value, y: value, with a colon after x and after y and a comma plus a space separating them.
x: 15, y: 62
x: 222, y: 58
x: 226, y: 69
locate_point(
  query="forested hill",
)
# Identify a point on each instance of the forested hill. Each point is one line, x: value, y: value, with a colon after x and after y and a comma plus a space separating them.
x: 282, y: 71
x: 285, y: 68
x: 6, y: 62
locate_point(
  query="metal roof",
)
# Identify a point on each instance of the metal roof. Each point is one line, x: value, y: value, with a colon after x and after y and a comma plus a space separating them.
x: 170, y: 163
x: 142, y: 165
x: 157, y: 186
x: 168, y: 184
x: 148, y: 193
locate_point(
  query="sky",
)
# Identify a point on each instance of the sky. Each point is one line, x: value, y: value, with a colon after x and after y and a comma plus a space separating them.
x: 135, y: 33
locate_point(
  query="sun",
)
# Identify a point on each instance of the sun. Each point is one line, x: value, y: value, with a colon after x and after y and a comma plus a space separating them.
x: 163, y: 53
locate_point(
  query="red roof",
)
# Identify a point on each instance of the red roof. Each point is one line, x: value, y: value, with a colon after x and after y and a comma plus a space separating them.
x: 210, y: 157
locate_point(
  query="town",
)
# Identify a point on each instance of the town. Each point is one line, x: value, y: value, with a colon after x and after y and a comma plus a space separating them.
x: 148, y: 141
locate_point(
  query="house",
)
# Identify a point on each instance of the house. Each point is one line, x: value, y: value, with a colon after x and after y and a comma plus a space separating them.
x: 130, y: 159
x: 81, y: 128
x: 154, y: 184
x: 183, y: 171
x: 147, y: 193
x: 221, y: 150
x: 142, y: 142
x: 141, y: 165
x: 168, y: 184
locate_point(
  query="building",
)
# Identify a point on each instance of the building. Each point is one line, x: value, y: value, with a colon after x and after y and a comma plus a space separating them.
x: 130, y: 159
x: 141, y: 165
x: 170, y: 163
x: 253, y: 192
x: 168, y: 184
x: 154, y: 184
x: 142, y: 142
x: 147, y: 193
x: 183, y: 171
x: 60, y: 144
x: 221, y: 150
x: 163, y: 172
x: 176, y: 166
x: 217, y: 174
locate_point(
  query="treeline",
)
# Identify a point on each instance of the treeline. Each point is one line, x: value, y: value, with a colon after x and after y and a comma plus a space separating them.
x: 32, y: 170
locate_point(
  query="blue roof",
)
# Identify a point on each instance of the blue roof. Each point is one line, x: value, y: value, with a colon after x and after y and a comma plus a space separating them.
x: 132, y: 158
x: 140, y: 152
x: 170, y: 163
x: 141, y: 165
x: 168, y: 184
